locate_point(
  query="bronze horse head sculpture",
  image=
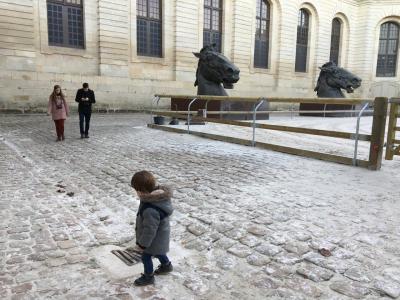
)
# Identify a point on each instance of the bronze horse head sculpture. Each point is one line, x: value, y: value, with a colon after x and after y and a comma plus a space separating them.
x: 332, y: 79
x: 214, y: 72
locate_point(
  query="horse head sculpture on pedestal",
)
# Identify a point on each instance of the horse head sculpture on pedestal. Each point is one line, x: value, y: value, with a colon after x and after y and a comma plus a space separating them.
x: 332, y: 79
x: 214, y: 72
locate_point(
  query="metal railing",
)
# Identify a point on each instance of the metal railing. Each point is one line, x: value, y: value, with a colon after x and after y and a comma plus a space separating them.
x: 378, y: 119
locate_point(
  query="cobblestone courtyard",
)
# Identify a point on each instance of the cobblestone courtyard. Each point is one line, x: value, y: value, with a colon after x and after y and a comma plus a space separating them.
x: 256, y: 222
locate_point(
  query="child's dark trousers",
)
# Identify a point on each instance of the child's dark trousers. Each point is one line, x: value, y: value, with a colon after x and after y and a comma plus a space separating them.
x: 148, y: 263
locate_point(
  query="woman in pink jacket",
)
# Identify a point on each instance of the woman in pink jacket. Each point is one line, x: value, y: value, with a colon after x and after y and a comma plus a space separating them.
x: 58, y: 108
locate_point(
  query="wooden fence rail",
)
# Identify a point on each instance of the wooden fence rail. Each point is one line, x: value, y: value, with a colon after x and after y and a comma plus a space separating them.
x: 376, y: 138
x: 353, y: 101
x: 310, y: 131
x: 241, y: 112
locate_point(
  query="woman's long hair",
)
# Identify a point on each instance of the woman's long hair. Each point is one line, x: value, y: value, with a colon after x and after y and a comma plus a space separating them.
x: 53, y: 94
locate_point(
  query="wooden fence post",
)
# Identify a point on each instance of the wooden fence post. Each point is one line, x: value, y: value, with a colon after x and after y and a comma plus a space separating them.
x: 391, y: 131
x: 378, y: 133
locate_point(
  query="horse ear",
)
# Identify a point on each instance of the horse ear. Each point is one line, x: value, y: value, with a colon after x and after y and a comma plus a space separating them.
x: 328, y: 66
x: 197, y: 54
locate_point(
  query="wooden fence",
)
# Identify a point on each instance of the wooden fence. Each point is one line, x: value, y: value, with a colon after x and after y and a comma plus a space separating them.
x: 393, y: 144
x: 376, y: 138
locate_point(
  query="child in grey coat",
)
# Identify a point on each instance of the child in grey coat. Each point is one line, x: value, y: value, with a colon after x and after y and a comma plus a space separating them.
x: 152, y: 225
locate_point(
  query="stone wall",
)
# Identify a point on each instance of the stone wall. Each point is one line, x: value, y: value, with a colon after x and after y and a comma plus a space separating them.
x: 29, y: 67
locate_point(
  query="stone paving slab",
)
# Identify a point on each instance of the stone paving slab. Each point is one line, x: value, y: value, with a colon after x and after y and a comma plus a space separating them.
x: 255, y: 221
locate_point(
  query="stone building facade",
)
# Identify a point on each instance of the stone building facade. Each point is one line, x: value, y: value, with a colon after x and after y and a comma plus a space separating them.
x: 108, y: 48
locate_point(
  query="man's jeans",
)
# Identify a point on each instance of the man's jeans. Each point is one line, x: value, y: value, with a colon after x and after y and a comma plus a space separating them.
x: 148, y: 263
x: 84, y: 116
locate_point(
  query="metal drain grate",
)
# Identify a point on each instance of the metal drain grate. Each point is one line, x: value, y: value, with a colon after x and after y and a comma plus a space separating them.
x: 129, y: 257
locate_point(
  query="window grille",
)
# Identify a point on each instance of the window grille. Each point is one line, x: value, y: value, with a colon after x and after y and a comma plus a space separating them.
x: 302, y: 41
x: 388, y: 48
x: 65, y: 23
x: 261, y: 47
x: 335, y: 41
x: 149, y: 28
x: 212, y: 29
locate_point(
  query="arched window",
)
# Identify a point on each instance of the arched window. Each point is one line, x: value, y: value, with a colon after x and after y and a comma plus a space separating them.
x: 302, y: 41
x: 149, y: 28
x: 335, y: 40
x: 261, y: 47
x: 65, y: 23
x: 212, y: 31
x: 388, y: 45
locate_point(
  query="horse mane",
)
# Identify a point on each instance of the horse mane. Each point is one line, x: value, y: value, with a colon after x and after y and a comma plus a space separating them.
x: 211, y: 47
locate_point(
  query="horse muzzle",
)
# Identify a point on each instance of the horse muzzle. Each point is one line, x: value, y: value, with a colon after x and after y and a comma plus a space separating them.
x: 231, y: 79
x: 354, y: 85
x: 227, y: 85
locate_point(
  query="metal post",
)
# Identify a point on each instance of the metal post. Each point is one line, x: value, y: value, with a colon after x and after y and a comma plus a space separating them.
x: 188, y: 114
x: 291, y: 111
x: 253, y: 142
x: 154, y: 100
x: 205, y: 115
x: 357, y: 133
x: 324, y: 110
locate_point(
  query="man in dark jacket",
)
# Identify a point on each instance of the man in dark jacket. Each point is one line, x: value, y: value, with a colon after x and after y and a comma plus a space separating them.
x: 85, y: 98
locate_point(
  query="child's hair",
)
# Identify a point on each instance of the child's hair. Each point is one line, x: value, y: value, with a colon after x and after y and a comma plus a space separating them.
x: 53, y: 94
x: 85, y: 85
x: 143, y: 181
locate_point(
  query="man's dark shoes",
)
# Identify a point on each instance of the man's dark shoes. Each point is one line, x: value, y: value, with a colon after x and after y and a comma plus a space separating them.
x: 145, y: 279
x: 82, y: 136
x: 86, y: 136
x: 164, y: 269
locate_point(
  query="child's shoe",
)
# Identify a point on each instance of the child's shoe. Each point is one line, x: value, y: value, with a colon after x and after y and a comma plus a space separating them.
x: 164, y: 269
x: 145, y: 279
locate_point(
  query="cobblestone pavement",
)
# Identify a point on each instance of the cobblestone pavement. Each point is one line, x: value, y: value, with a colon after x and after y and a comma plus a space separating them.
x: 261, y: 225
